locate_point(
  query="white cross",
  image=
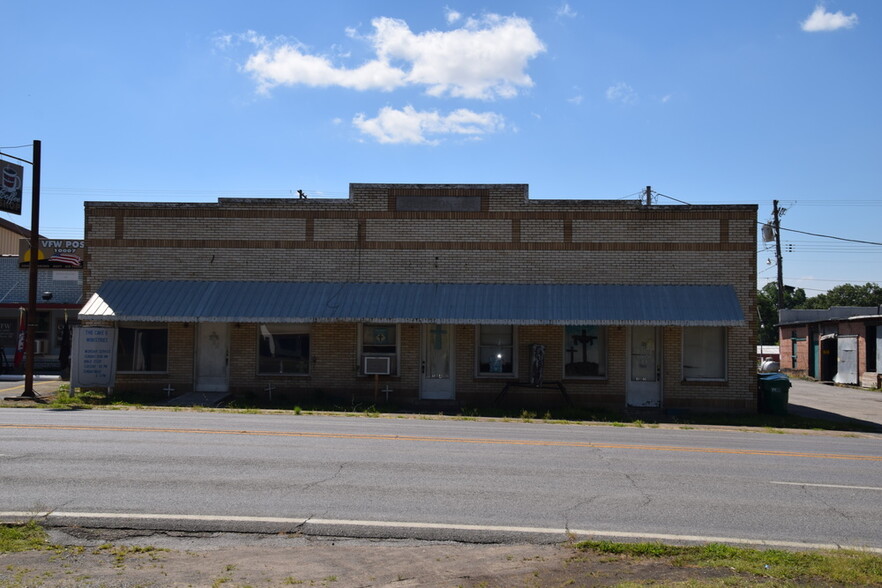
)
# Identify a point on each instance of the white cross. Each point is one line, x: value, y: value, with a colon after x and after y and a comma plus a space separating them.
x: 169, y: 390
x: 269, y: 390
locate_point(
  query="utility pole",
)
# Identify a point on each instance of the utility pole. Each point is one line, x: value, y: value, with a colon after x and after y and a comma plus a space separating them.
x: 32, y: 275
x: 648, y: 195
x: 777, y: 224
x: 28, y: 392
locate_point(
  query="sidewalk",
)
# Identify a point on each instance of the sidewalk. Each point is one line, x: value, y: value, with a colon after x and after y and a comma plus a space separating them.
x: 836, y: 403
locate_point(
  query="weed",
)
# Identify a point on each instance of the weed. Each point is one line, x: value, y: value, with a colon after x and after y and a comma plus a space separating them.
x: 22, y: 537
x: 297, y: 410
x: 527, y: 416
x: 120, y: 552
x: 80, y: 398
x: 850, y: 568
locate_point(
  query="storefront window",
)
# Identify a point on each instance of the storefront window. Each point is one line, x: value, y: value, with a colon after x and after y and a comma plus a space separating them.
x: 142, y: 349
x: 283, y: 349
x: 379, y: 340
x: 584, y: 351
x: 496, y: 347
x: 704, y: 353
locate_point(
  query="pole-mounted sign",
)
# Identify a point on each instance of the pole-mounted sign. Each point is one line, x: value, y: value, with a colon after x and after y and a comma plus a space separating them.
x: 10, y: 187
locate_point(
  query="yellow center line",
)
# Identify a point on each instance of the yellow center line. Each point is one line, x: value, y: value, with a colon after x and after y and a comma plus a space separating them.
x: 480, y: 441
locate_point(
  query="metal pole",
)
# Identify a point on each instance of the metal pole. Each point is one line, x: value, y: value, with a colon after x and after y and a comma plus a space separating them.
x: 32, y: 276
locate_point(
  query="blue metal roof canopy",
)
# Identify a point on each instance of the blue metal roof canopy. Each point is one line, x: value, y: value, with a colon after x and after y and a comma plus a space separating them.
x: 519, y: 304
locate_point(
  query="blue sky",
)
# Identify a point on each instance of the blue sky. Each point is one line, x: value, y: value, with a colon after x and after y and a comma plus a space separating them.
x: 730, y: 102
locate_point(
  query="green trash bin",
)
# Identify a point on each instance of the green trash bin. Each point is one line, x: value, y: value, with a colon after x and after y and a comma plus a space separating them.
x: 774, y: 393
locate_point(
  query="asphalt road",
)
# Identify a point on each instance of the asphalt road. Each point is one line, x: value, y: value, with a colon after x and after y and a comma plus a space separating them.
x: 439, y: 479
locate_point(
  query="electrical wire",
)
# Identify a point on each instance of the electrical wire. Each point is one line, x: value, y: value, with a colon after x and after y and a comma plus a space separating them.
x: 830, y: 237
x: 671, y: 198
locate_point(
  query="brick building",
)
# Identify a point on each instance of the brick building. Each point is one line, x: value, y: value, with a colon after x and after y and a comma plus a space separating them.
x: 841, y: 344
x: 59, y: 294
x: 459, y: 292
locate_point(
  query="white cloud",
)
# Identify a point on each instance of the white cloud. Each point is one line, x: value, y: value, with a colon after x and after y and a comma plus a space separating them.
x: 412, y: 126
x: 484, y: 59
x: 566, y: 10
x: 821, y: 20
x: 621, y: 92
x: 576, y: 100
x: 289, y: 65
x: 451, y: 15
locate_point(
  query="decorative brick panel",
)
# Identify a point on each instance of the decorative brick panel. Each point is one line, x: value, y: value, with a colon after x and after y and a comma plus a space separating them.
x: 649, y: 230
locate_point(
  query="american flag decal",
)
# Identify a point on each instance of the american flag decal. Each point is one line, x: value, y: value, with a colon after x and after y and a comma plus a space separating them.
x: 67, y: 259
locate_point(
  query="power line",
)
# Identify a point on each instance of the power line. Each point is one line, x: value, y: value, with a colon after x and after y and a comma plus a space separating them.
x: 671, y: 198
x: 830, y: 236
x: 829, y: 280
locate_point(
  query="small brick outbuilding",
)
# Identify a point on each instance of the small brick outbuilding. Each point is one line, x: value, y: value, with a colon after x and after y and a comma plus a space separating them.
x: 841, y: 344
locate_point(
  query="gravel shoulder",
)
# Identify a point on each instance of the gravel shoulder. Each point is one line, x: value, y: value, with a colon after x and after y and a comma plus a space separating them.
x: 124, y: 558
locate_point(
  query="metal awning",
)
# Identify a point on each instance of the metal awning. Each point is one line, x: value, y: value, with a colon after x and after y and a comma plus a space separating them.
x: 518, y: 304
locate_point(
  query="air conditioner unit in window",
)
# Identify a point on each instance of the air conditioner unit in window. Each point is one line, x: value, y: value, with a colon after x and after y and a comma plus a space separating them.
x: 41, y: 346
x: 377, y: 366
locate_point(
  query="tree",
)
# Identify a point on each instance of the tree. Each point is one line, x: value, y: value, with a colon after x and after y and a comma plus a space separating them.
x: 767, y: 306
x: 870, y: 294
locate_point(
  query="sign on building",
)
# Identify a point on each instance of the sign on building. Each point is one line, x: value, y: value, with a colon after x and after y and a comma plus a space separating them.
x: 11, y: 187
x: 93, y: 357
x: 53, y: 253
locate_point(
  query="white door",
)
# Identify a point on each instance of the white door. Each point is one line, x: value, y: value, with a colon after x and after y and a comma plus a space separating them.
x: 437, y: 380
x: 644, y: 367
x: 212, y: 357
x: 846, y: 359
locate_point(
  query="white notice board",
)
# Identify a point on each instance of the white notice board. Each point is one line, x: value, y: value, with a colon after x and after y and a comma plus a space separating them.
x: 93, y: 357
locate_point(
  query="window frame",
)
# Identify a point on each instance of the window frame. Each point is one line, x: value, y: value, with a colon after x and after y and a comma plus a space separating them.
x: 286, y: 329
x: 394, y: 358
x: 724, y: 352
x: 142, y: 327
x: 604, y: 338
x: 514, y: 353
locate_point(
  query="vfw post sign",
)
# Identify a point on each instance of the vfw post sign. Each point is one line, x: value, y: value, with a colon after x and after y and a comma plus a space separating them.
x: 93, y: 357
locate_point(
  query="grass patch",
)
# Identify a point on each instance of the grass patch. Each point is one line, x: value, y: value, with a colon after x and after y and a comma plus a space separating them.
x: 314, y: 402
x: 850, y: 568
x: 24, y: 537
x: 64, y: 398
